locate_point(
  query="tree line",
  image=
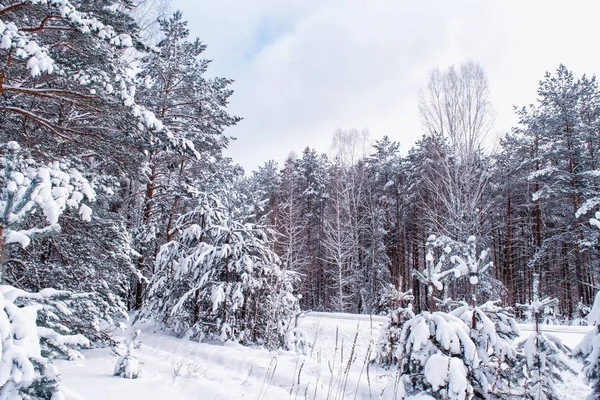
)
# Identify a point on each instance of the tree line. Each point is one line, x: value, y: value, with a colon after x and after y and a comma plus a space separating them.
x: 354, y: 223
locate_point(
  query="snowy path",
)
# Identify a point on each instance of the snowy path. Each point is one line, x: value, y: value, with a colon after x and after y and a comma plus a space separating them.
x: 336, y: 367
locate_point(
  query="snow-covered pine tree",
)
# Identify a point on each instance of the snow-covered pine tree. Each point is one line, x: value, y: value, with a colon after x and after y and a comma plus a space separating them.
x: 51, y: 82
x: 312, y: 171
x: 172, y: 83
x: 128, y: 366
x: 589, y: 350
x: 492, y: 328
x: 401, y: 311
x: 385, y: 180
x: 219, y: 279
x: 436, y: 272
x: 560, y: 166
x: 544, y: 356
x: 56, y: 260
x: 27, y: 186
x: 438, y: 357
x: 102, y: 255
x: 472, y: 284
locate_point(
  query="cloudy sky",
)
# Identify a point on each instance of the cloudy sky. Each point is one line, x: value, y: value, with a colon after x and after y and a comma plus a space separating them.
x: 305, y: 68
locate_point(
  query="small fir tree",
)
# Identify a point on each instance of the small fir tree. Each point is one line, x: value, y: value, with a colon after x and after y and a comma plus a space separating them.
x: 589, y: 350
x: 128, y: 366
x: 402, y: 311
x: 544, y: 356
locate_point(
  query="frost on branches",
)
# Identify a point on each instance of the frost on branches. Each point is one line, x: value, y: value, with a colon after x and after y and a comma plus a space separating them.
x: 589, y: 351
x: 26, y: 343
x: 219, y: 279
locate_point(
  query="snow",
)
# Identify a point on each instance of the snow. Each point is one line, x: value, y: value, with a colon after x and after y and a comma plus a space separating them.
x: 17, y: 237
x: 85, y: 212
x: 594, y: 315
x: 436, y: 370
x: 181, y: 369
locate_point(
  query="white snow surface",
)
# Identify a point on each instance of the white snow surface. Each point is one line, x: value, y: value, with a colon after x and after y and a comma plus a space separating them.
x: 334, y: 366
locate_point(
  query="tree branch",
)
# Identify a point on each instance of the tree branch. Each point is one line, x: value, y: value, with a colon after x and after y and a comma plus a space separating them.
x: 12, y: 7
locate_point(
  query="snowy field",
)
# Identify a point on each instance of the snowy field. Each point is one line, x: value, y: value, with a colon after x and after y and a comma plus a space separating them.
x: 336, y: 367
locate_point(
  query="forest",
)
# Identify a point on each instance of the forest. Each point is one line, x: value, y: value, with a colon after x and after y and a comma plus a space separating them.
x: 118, y: 207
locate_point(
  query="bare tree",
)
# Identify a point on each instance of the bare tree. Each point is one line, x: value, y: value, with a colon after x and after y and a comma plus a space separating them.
x: 350, y: 146
x: 290, y: 222
x: 339, y: 242
x: 455, y: 109
x: 455, y: 104
x: 351, y: 255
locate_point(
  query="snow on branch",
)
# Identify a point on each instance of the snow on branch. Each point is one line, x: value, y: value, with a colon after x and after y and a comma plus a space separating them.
x: 27, y: 186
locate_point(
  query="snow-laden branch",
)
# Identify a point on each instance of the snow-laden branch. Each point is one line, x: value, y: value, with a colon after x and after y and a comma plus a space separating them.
x: 27, y: 186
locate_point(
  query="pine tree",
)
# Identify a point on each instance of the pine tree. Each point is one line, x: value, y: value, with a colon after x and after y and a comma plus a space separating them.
x: 128, y: 366
x: 560, y: 167
x: 492, y: 328
x: 438, y: 356
x: 173, y: 85
x: 27, y: 186
x: 387, y: 203
x: 312, y: 178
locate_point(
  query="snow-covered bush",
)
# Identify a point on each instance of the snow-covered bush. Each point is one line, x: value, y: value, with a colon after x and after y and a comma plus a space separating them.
x: 296, y: 340
x: 128, y: 366
x: 589, y: 350
x: 438, y: 357
x: 27, y: 343
x: 220, y: 279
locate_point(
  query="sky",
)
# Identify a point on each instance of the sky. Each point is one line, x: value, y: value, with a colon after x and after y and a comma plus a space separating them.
x: 303, y: 69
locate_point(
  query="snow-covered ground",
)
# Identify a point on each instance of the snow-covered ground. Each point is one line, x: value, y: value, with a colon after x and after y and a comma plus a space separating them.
x: 336, y: 367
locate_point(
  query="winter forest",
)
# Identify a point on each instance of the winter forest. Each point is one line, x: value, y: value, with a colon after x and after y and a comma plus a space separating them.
x: 462, y: 266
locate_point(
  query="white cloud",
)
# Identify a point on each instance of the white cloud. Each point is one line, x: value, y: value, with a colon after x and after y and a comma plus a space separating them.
x: 304, y: 68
